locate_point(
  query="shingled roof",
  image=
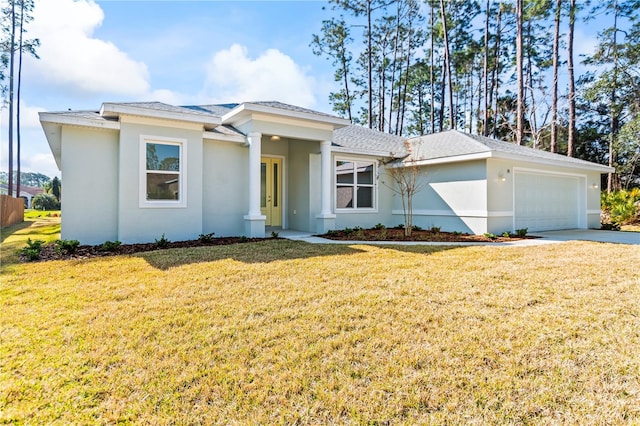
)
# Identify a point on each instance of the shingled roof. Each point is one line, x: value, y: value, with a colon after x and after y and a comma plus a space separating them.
x: 364, y: 139
x: 455, y: 143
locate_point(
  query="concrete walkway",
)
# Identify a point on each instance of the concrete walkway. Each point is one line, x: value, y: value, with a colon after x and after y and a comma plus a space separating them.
x: 547, y: 237
x: 597, y: 235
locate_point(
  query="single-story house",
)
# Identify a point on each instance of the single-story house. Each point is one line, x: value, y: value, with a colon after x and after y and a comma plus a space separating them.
x: 26, y: 193
x: 135, y: 171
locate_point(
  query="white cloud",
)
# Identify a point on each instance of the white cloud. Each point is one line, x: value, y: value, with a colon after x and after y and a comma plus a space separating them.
x: 72, y: 58
x: 232, y: 76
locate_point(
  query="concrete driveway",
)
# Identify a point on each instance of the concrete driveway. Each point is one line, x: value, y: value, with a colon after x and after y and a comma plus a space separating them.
x: 619, y: 237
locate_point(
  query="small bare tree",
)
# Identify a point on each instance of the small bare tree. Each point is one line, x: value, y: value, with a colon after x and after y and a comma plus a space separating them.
x: 408, y: 179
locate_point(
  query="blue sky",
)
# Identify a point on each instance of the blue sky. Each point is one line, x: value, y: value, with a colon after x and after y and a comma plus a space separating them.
x: 179, y: 52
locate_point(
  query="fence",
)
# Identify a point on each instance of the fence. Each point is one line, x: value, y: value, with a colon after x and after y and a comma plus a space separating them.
x: 11, y: 210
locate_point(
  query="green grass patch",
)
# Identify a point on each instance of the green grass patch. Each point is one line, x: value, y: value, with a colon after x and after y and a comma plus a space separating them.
x: 282, y: 332
x: 37, y: 225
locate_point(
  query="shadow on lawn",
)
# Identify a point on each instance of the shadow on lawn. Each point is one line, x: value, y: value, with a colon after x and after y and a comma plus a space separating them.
x: 266, y: 252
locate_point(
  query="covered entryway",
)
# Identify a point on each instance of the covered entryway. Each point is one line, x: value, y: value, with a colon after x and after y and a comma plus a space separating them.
x: 544, y: 201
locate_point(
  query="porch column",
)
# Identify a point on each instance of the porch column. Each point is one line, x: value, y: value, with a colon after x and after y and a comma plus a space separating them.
x: 326, y: 220
x: 254, y: 221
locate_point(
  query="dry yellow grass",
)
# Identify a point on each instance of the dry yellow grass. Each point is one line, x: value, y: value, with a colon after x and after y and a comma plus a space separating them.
x: 285, y: 332
x: 37, y: 226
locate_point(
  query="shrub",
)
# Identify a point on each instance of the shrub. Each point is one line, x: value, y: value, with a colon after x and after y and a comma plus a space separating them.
x: 110, y: 245
x: 163, y: 242
x: 348, y: 231
x: 275, y: 234
x: 206, y: 238
x: 244, y: 239
x: 333, y: 233
x: 621, y: 207
x: 400, y: 226
x: 67, y: 246
x: 417, y: 228
x: 32, y: 251
x: 379, y: 227
x: 490, y: 236
x: 506, y: 234
x: 435, y: 229
x: 45, y: 201
x: 522, y: 232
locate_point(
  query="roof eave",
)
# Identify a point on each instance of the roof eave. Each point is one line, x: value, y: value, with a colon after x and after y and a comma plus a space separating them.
x: 115, y: 110
x: 555, y: 162
x: 363, y: 151
x: 449, y: 159
x: 248, y: 108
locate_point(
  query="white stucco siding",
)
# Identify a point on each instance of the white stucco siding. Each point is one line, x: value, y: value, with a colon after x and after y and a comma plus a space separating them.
x: 300, y: 193
x: 146, y: 224
x: 90, y: 165
x: 541, y: 196
x: 225, y: 188
x: 454, y: 198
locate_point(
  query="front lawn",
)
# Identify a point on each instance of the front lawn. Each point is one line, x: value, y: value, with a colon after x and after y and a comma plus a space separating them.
x: 282, y: 332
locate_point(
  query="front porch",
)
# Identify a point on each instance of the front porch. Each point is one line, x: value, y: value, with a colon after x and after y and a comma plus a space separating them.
x: 289, y: 185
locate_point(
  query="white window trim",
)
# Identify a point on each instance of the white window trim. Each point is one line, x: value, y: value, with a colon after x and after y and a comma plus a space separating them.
x: 142, y: 184
x: 356, y: 160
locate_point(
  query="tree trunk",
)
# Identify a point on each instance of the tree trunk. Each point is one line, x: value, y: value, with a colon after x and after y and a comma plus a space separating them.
x: 485, y: 127
x: 447, y: 62
x: 572, y: 85
x: 496, y: 72
x: 519, y: 75
x: 614, y: 117
x: 554, y: 104
x: 369, y: 63
x: 18, y: 171
x: 432, y: 109
x: 12, y: 48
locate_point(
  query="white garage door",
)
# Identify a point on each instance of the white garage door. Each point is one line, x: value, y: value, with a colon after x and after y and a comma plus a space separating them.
x: 544, y: 202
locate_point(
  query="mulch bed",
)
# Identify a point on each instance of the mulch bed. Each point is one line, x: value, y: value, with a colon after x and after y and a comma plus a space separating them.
x: 50, y: 251
x: 416, y: 235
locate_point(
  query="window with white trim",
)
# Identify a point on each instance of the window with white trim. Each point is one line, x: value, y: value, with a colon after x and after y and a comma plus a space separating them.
x: 162, y: 172
x: 355, y: 184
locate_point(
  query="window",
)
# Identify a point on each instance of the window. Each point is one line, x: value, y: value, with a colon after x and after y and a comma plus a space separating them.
x: 162, y: 178
x: 355, y: 184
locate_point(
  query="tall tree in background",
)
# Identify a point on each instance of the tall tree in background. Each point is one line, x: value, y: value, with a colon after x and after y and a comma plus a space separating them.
x: 14, y: 17
x: 12, y: 50
x: 571, y: 136
x: 447, y: 64
x: 485, y: 70
x: 333, y: 42
x: 556, y: 48
x: 615, y: 88
x: 503, y: 80
x: 519, y: 73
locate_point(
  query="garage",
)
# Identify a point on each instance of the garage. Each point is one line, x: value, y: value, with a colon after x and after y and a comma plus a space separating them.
x: 544, y: 201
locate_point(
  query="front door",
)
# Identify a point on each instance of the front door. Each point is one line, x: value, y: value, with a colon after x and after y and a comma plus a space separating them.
x: 271, y: 190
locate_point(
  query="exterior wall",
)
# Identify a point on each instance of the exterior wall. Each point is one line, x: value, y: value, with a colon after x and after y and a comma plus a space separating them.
x: 90, y: 173
x: 225, y: 186
x: 145, y: 224
x: 299, y: 178
x: 454, y: 198
x: 501, y: 192
x: 385, y: 199
x: 593, y: 200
